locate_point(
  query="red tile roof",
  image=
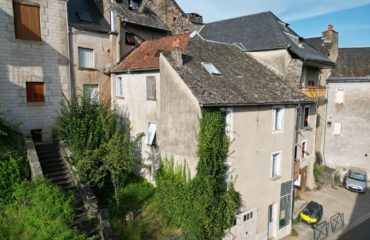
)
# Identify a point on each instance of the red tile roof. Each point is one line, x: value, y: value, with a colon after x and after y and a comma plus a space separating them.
x: 146, y: 55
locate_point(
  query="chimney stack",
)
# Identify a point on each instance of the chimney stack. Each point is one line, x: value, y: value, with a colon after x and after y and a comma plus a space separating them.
x: 176, y: 54
x: 330, y: 27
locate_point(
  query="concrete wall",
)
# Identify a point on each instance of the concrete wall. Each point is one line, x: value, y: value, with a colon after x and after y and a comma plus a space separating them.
x: 351, y: 147
x: 140, y: 111
x: 24, y: 61
x: 179, y: 118
x: 277, y: 60
x: 252, y: 146
x: 100, y: 43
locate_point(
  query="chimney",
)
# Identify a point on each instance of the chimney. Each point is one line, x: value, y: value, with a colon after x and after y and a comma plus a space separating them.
x: 330, y: 27
x: 176, y: 54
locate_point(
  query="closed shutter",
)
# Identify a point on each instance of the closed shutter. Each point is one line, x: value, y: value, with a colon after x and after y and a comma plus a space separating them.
x: 285, y: 204
x: 35, y: 92
x: 150, y: 88
x: 27, y: 22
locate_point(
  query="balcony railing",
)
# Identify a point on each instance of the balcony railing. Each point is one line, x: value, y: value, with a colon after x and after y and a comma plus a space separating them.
x: 314, y: 92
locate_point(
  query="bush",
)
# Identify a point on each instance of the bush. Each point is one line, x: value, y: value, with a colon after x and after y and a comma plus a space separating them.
x: 13, y: 163
x: 40, y: 211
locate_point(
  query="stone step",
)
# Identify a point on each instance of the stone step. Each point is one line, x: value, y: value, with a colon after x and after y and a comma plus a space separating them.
x: 56, y: 169
x: 58, y: 178
x: 52, y: 164
x: 48, y: 155
x: 56, y: 174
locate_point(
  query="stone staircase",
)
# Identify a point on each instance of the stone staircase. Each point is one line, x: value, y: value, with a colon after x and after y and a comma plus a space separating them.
x: 54, y: 168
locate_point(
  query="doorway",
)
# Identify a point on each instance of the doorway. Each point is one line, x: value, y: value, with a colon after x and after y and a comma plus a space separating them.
x: 270, y: 222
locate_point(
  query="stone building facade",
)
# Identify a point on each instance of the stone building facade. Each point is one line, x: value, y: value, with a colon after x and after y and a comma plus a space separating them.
x: 33, y: 64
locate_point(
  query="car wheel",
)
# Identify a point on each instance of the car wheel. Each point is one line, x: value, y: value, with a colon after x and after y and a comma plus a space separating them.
x: 313, y: 225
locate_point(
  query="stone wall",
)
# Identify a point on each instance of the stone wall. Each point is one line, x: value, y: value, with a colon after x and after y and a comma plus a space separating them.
x: 294, y: 72
x: 24, y: 61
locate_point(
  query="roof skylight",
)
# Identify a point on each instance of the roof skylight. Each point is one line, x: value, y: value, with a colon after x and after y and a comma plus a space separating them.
x: 211, y: 69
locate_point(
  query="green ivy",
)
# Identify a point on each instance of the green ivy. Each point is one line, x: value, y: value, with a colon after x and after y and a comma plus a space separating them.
x: 204, y: 205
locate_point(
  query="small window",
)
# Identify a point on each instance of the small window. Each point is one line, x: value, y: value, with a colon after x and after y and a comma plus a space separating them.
x: 91, y: 91
x: 228, y: 174
x: 306, y: 115
x: 339, y: 96
x: 150, y: 136
x: 277, y: 119
x: 36, y: 135
x: 275, y: 165
x: 303, y: 150
x: 135, y: 5
x: 27, y: 22
x: 150, y: 88
x: 234, y: 222
x: 211, y: 69
x: 337, y: 128
x: 86, y: 57
x: 228, y: 114
x: 35, y: 92
x: 118, y: 87
x: 248, y: 216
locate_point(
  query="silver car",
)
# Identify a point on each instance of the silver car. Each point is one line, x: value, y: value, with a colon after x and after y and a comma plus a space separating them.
x: 356, y: 180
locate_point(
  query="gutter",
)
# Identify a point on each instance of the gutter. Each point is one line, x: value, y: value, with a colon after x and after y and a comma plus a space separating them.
x: 136, y: 70
x: 325, y: 119
x: 71, y: 90
x: 255, y: 104
x: 348, y: 79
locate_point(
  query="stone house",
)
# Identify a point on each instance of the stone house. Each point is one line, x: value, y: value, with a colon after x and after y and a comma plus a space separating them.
x: 347, y: 133
x: 260, y: 109
x: 33, y: 64
x: 270, y: 40
x: 90, y: 49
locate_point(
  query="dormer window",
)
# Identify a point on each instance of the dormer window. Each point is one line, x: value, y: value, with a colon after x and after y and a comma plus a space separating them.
x: 135, y: 5
x: 211, y: 69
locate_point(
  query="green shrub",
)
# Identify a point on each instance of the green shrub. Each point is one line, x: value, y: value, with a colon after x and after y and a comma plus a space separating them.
x: 40, y: 211
x: 205, y: 205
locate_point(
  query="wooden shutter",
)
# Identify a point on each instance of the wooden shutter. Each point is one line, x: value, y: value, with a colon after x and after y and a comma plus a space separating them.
x: 27, y: 22
x: 35, y: 92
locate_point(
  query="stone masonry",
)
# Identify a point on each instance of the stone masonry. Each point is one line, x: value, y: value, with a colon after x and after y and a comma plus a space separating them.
x: 24, y: 61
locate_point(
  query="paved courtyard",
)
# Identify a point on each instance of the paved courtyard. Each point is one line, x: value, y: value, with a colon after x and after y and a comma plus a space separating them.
x: 356, y: 209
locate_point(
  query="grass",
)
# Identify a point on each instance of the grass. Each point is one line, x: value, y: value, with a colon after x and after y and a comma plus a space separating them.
x: 294, y: 233
x: 318, y: 171
x: 136, y: 197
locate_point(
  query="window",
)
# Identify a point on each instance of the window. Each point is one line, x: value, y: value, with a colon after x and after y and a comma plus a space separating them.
x: 35, y: 92
x: 27, y: 22
x: 85, y: 57
x: 135, y: 5
x: 303, y: 149
x: 91, y: 91
x: 228, y: 174
x: 275, y: 165
x: 228, y: 114
x: 337, y: 128
x: 118, y: 87
x: 248, y: 216
x: 150, y: 88
x: 306, y: 115
x: 36, y: 135
x: 211, y: 69
x: 150, y: 136
x: 339, y: 96
x: 277, y: 123
x: 295, y: 151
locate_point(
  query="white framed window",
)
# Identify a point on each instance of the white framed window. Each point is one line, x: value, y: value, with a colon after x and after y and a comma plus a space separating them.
x: 277, y: 118
x: 211, y: 69
x: 150, y: 136
x: 275, y: 164
x: 228, y: 166
x: 85, y: 57
x: 306, y: 113
x: 339, y: 96
x: 150, y: 88
x: 91, y: 91
x: 248, y: 216
x: 118, y: 87
x: 337, y: 130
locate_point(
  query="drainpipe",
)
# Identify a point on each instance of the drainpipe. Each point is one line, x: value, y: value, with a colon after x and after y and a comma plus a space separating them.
x: 325, y: 119
x: 71, y: 90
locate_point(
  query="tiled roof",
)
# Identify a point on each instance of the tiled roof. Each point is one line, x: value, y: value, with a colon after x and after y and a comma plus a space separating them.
x: 243, y: 80
x: 146, y: 56
x: 91, y: 12
x: 352, y: 62
x: 259, y: 32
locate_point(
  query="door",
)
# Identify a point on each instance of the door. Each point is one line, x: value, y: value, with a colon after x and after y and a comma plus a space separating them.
x: 303, y: 178
x: 270, y: 222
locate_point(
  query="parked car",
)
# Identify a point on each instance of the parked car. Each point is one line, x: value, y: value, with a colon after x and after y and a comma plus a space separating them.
x: 311, y: 214
x: 356, y: 180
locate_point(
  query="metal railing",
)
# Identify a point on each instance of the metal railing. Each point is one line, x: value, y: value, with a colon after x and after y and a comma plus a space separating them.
x: 337, y: 221
x: 322, y: 230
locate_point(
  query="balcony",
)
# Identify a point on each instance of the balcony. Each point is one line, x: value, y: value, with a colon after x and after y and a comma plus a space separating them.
x: 313, y: 92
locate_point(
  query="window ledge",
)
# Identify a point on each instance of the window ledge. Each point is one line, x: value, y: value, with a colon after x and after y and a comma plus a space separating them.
x: 90, y: 69
x: 154, y: 100
x: 36, y: 103
x: 277, y: 131
x: 275, y: 178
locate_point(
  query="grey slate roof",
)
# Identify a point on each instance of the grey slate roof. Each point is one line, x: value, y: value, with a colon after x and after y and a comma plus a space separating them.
x: 262, y: 31
x: 243, y: 80
x: 89, y: 7
x: 146, y: 18
x: 319, y: 44
x: 352, y: 62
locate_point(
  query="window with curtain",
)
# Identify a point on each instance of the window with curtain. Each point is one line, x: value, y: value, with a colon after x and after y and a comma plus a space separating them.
x: 275, y: 165
x: 118, y: 87
x: 85, y: 57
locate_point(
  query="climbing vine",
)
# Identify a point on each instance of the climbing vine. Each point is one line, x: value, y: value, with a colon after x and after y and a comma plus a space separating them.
x: 204, y: 205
